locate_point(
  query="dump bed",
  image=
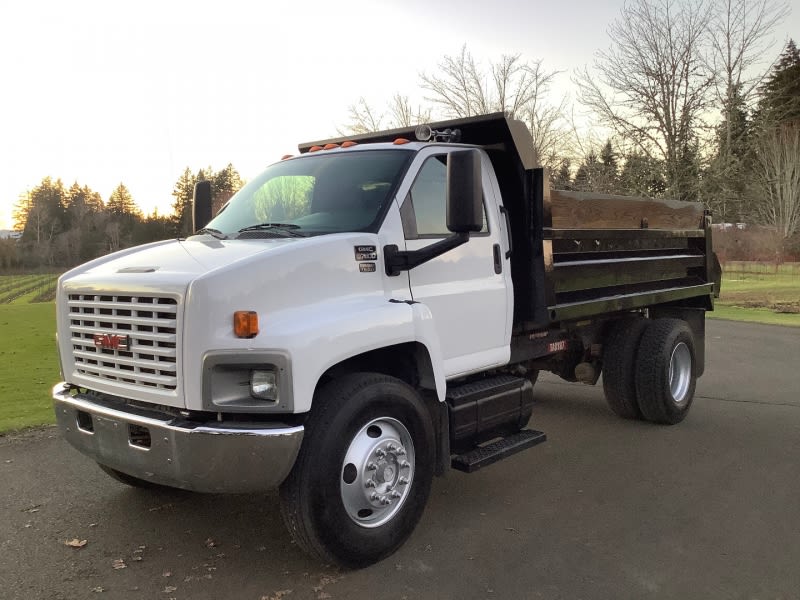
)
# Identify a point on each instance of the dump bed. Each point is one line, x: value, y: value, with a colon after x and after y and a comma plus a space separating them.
x: 609, y: 253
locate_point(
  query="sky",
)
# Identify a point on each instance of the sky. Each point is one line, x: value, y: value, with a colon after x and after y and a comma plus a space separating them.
x: 104, y: 93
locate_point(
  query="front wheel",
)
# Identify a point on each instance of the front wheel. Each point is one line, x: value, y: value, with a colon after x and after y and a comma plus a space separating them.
x: 363, y: 475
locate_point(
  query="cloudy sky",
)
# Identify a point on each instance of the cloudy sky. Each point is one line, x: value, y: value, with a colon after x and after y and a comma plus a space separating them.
x: 110, y: 92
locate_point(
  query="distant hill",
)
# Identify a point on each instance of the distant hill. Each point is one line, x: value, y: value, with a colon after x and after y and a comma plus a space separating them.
x: 8, y: 233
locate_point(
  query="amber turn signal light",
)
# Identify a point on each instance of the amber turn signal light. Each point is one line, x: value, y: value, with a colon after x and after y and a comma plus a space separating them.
x: 245, y: 323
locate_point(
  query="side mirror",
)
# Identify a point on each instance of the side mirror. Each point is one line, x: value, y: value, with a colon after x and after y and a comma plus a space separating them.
x: 464, y: 191
x: 201, y: 205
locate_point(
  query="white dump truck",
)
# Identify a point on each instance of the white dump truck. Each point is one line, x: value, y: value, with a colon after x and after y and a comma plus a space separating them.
x: 371, y: 313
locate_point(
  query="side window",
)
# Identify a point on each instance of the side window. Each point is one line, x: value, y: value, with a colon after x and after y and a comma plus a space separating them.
x: 424, y: 211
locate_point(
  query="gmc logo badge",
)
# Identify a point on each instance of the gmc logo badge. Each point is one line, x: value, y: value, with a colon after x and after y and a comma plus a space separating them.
x: 107, y: 341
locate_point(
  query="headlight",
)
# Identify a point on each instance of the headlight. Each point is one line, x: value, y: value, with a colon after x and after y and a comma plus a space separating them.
x: 264, y: 385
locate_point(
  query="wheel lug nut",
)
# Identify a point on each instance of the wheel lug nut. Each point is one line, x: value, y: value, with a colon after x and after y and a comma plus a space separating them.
x: 369, y: 483
x: 372, y: 466
x: 396, y: 494
x: 385, y: 500
x: 405, y: 464
x: 380, y: 453
x: 374, y: 496
x: 401, y: 451
x: 391, y: 448
x: 402, y: 481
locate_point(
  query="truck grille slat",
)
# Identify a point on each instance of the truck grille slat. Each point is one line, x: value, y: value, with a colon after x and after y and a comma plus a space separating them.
x: 102, y: 358
x: 150, y: 322
x: 146, y: 338
x: 136, y: 348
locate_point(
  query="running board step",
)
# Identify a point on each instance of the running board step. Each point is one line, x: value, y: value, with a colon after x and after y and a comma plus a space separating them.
x: 483, y: 456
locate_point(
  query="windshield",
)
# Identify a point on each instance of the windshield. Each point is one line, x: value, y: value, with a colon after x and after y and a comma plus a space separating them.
x: 312, y: 195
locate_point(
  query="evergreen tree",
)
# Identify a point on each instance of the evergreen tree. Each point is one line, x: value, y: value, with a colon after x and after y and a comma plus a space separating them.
x: 121, y: 204
x: 86, y: 216
x: 726, y: 179
x: 608, y: 174
x: 587, y: 174
x: 123, y: 217
x: 562, y: 178
x: 183, y: 192
x: 780, y: 93
x: 41, y: 215
x: 642, y: 176
x: 224, y: 184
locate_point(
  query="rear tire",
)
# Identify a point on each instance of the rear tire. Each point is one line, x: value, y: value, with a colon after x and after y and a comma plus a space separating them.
x: 363, y: 475
x: 665, y: 371
x: 619, y: 367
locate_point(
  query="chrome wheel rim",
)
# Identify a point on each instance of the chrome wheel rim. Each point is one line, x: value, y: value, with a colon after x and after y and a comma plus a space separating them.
x: 680, y: 373
x: 377, y: 472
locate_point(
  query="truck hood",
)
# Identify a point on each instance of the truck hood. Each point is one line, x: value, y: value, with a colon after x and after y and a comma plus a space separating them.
x: 166, y: 266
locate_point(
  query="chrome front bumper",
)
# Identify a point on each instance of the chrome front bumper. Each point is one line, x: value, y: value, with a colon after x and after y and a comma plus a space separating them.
x: 207, y: 457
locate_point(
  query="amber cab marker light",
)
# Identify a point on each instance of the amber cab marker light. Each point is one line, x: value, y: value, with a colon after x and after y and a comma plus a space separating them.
x: 349, y: 144
x: 330, y: 146
x: 400, y: 141
x: 245, y: 323
x: 315, y: 148
x: 285, y: 156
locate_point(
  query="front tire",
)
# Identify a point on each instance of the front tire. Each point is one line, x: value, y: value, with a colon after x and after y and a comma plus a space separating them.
x: 665, y: 371
x: 363, y: 475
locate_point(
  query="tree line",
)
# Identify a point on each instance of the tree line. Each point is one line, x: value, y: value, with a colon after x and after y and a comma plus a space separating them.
x: 62, y: 227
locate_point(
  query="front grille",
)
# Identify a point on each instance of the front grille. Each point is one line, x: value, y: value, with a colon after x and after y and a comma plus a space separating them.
x: 150, y: 322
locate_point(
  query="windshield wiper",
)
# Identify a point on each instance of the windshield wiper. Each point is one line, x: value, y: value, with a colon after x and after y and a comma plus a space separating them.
x: 212, y: 232
x: 287, y: 228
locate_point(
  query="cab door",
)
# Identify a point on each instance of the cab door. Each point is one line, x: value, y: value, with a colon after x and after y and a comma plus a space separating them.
x: 468, y: 289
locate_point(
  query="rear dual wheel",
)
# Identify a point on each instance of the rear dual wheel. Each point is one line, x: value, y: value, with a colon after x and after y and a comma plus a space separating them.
x: 649, y: 369
x: 665, y: 371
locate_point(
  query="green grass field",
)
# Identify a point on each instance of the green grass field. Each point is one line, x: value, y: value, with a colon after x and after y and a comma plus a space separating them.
x: 760, y: 293
x: 28, y: 364
x: 25, y: 289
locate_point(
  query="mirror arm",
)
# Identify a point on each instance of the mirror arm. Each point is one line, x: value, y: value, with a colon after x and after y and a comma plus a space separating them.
x: 397, y: 261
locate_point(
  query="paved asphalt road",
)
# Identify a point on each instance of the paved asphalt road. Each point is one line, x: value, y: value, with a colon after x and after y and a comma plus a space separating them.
x: 605, y: 509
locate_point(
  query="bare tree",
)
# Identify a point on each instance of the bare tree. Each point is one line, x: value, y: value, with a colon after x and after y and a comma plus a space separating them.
x: 462, y: 87
x: 778, y: 178
x: 739, y: 35
x: 553, y: 140
x: 403, y: 115
x: 652, y: 86
x: 364, y: 118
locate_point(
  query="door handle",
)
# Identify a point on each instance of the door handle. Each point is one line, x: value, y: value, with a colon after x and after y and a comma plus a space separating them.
x: 498, y: 259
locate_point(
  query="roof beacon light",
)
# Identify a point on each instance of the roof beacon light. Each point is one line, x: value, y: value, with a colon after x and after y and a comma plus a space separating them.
x: 424, y: 133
